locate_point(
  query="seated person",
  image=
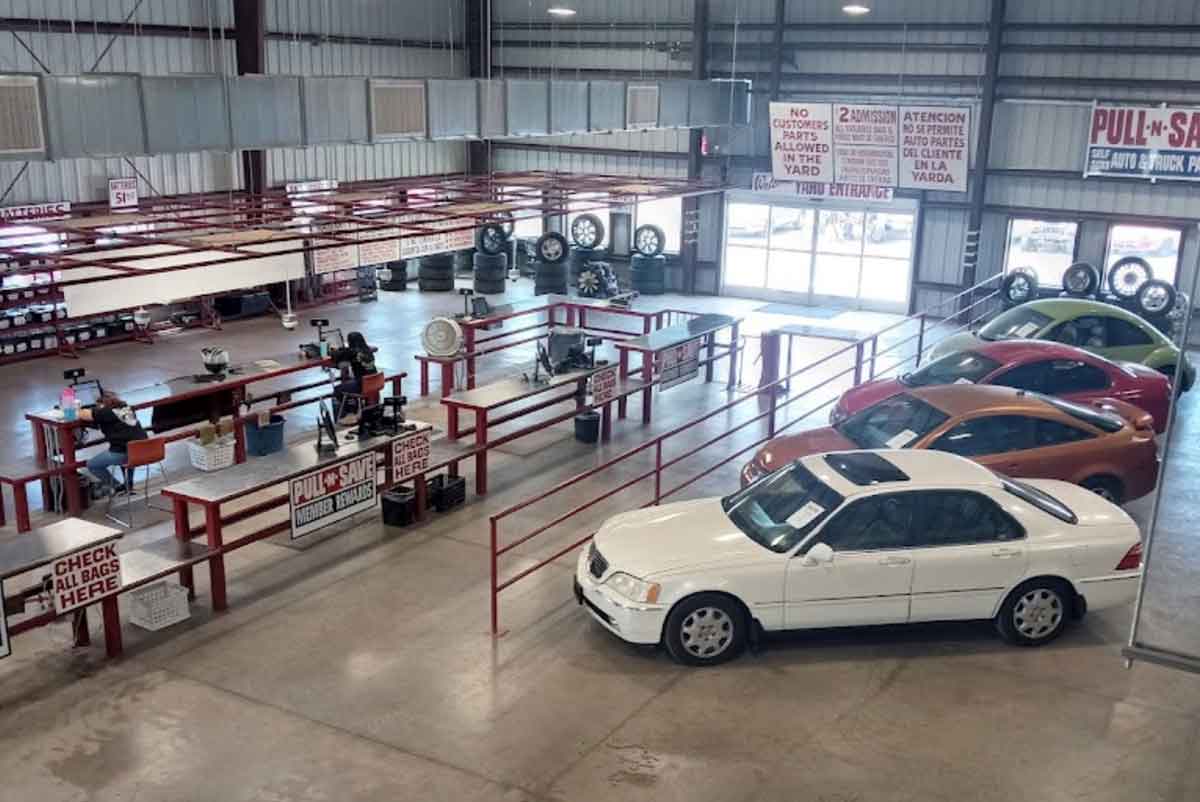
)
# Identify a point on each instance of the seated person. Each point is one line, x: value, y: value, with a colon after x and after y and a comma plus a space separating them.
x: 119, y: 425
x: 361, y: 360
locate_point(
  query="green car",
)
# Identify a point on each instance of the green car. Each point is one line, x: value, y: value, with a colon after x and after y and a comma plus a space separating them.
x: 1101, y: 328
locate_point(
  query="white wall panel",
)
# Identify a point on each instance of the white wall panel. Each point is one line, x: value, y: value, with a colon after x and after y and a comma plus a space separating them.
x: 507, y: 159
x: 1039, y: 136
x: 1116, y: 197
x: 943, y: 232
x: 1105, y: 11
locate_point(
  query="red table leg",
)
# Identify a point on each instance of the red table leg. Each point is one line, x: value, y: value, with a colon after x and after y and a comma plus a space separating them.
x: 582, y: 318
x: 421, y: 490
x: 481, y: 456
x: 622, y: 374
x: 239, y: 439
x: 646, y: 324
x: 606, y: 422
x: 570, y: 315
x: 21, y: 505
x: 647, y: 376
x: 447, y: 378
x: 183, y: 533
x: 424, y: 377
x: 79, y: 620
x: 733, y: 355
x: 3, y: 521
x: 216, y: 563
x: 66, y: 441
x: 469, y: 347
x: 112, y: 627
x: 39, y: 451
x: 451, y: 422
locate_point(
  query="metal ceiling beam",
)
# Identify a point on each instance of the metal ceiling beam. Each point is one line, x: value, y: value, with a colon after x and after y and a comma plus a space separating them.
x: 777, y: 56
x: 987, y: 111
x: 689, y: 250
x: 479, y: 65
x: 250, y: 26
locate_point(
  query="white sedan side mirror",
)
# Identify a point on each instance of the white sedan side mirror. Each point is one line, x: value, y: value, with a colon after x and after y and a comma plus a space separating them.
x: 818, y: 554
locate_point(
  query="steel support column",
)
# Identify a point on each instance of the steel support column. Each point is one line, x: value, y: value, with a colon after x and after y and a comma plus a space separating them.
x: 250, y: 29
x: 689, y: 251
x: 479, y: 61
x: 777, y: 44
x: 987, y: 108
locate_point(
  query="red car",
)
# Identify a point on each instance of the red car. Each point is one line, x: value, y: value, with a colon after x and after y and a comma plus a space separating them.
x: 1044, y: 367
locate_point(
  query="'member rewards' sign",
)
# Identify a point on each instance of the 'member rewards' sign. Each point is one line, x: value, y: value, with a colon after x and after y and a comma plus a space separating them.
x: 332, y: 494
x: 85, y: 577
x: 1143, y: 142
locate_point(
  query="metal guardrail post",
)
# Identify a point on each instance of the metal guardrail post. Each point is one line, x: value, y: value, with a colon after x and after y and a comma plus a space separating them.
x: 874, y: 351
x: 771, y: 417
x: 858, y: 362
x: 495, y: 591
x: 657, y: 471
x: 920, y: 337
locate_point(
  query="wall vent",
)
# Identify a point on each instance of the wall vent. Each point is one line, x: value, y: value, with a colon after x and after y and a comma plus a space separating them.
x: 22, y: 132
x: 641, y: 106
x: 398, y: 110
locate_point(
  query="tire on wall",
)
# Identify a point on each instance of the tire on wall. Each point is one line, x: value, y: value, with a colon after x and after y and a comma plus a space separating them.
x: 1081, y: 280
x: 587, y: 231
x: 649, y: 240
x: 1127, y: 276
x: 1019, y: 286
x: 1155, y: 298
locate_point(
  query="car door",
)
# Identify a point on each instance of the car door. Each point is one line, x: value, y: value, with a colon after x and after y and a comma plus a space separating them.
x: 1077, y: 380
x: 967, y: 552
x: 1126, y: 341
x: 996, y: 441
x: 869, y: 579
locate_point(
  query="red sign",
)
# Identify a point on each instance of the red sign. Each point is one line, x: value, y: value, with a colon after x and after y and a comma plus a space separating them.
x: 333, y: 493
x: 801, y: 142
x: 85, y: 577
x: 1140, y: 142
x: 34, y: 211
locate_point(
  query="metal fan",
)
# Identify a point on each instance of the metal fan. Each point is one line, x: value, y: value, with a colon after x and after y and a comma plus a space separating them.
x: 442, y: 337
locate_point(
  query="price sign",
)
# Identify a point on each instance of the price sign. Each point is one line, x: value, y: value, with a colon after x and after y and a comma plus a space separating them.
x: 410, y: 456
x: 679, y: 364
x: 604, y: 386
x: 85, y: 577
x: 122, y: 193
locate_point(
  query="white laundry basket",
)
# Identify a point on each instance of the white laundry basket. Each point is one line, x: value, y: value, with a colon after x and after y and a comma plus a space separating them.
x: 159, y: 605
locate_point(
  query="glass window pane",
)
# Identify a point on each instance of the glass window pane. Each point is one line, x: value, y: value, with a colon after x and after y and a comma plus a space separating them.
x: 528, y: 227
x: 1158, y: 246
x: 747, y: 224
x: 745, y: 267
x: 836, y: 275
x: 885, y: 279
x: 889, y: 235
x: 788, y: 271
x: 840, y: 232
x: 667, y: 214
x: 791, y: 228
x: 1048, y: 247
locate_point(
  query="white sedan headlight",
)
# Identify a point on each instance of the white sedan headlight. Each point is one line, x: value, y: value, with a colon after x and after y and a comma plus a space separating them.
x: 633, y: 588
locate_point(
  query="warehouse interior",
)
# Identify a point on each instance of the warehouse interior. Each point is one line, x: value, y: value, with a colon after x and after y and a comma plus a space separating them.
x: 480, y: 400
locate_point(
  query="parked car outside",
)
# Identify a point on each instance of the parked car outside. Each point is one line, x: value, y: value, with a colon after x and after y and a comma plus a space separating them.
x: 1038, y: 365
x: 859, y: 538
x: 1104, y: 329
x: 1109, y: 450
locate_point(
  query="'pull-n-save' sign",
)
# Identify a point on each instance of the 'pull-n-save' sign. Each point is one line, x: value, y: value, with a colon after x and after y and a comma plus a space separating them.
x: 332, y: 494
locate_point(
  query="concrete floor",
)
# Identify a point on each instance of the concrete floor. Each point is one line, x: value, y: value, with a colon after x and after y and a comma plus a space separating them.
x: 361, y: 668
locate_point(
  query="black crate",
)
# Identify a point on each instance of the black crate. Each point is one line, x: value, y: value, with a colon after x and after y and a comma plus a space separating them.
x: 399, y: 507
x: 447, y: 492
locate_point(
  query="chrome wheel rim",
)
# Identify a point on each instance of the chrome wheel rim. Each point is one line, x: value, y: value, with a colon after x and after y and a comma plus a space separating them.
x: 706, y: 633
x: 647, y: 242
x: 1020, y: 289
x: 1078, y: 281
x: 551, y: 249
x: 1154, y: 299
x: 583, y: 231
x: 493, y: 239
x: 1038, y: 613
x: 1129, y: 280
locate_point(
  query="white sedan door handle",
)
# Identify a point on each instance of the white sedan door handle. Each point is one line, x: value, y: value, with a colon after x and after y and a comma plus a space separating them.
x: 895, y: 561
x: 1006, y: 553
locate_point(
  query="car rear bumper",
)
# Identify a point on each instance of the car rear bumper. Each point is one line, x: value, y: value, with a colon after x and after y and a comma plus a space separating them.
x: 641, y: 625
x: 1114, y: 590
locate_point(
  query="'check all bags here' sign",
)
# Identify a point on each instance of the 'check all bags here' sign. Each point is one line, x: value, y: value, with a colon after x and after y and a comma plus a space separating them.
x: 333, y: 493
x: 85, y: 577
x: 1143, y: 142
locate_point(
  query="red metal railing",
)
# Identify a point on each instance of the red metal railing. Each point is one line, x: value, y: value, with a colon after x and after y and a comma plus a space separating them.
x: 976, y: 303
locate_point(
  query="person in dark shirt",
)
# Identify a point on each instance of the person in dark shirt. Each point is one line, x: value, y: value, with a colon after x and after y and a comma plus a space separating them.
x: 361, y: 360
x: 119, y: 425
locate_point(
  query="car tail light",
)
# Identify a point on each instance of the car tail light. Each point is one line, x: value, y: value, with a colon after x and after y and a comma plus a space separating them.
x: 1132, y: 559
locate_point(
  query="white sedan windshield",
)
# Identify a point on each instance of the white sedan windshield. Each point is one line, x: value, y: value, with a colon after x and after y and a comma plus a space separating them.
x: 781, y: 508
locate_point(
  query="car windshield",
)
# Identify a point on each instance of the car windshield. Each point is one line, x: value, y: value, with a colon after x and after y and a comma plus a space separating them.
x: 1104, y: 421
x: 1018, y: 323
x: 1040, y: 499
x: 966, y: 366
x: 895, y: 422
x: 779, y: 509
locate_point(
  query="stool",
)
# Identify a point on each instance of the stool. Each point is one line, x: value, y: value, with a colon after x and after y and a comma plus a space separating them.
x: 142, y: 454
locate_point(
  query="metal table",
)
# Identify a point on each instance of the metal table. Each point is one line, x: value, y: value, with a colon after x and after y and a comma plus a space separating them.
x: 27, y: 551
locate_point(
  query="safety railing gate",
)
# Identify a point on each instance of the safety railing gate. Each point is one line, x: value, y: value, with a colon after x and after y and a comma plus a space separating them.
x: 772, y: 415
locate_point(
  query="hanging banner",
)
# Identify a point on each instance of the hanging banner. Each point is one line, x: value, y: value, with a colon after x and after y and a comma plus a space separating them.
x: 338, y: 257
x: 381, y: 251
x: 765, y: 182
x: 1140, y: 142
x: 802, y: 141
x: 36, y: 211
x: 865, y: 138
x: 331, y: 494
x: 85, y: 577
x: 415, y: 245
x: 935, y: 147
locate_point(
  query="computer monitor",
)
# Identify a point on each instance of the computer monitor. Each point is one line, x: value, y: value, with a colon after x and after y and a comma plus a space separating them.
x: 334, y: 338
x: 88, y: 393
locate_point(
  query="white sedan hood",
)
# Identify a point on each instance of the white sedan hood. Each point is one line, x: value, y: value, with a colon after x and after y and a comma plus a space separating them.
x: 689, y: 534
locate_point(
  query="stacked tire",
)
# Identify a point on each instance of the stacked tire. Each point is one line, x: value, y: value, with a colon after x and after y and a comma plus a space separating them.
x: 464, y: 262
x: 549, y: 279
x: 436, y: 273
x: 647, y: 274
x: 580, y: 257
x: 490, y: 272
x: 393, y: 277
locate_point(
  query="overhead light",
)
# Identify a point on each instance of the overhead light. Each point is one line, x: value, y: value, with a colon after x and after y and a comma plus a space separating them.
x: 856, y: 9
x: 561, y: 11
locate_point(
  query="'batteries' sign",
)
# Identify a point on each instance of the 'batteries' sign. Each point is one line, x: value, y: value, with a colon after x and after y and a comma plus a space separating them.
x: 332, y: 494
x: 1143, y: 142
x: 85, y: 577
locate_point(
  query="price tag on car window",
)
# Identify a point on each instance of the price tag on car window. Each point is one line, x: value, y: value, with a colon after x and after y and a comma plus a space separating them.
x: 902, y: 439
x: 805, y: 515
x: 1026, y: 330
x: 961, y: 380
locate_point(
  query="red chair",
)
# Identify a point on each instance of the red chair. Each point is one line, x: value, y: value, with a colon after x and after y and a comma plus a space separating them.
x: 372, y: 389
x: 142, y: 454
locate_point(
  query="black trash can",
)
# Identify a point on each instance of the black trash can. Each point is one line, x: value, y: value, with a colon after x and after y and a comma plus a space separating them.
x: 399, y: 506
x: 587, y: 427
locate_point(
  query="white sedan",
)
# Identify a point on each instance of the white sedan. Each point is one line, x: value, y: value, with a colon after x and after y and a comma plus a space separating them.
x: 860, y: 538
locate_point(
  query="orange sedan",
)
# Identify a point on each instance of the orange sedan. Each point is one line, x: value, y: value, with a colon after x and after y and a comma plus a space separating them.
x: 1107, y: 447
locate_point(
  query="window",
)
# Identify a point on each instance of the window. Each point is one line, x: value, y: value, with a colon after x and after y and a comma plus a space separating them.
x: 1123, y: 333
x: 781, y: 508
x: 994, y: 434
x: 1072, y: 376
x: 1158, y: 246
x: 1089, y: 331
x: 1048, y: 433
x: 525, y: 227
x: 955, y: 518
x: 667, y: 214
x: 1045, y: 246
x: 1024, y: 377
x: 1018, y: 323
x: 865, y: 468
x: 965, y: 366
x: 895, y: 422
x: 876, y: 522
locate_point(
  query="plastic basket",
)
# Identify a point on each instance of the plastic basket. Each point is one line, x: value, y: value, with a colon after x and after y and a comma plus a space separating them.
x: 264, y: 440
x: 159, y: 605
x: 211, y: 457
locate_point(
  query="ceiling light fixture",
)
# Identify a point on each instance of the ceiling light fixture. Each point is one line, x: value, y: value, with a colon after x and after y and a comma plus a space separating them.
x: 561, y: 11
x: 855, y: 9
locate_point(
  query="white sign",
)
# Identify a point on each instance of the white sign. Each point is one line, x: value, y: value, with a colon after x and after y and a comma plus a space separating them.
x: 85, y: 577
x: 35, y: 211
x: 413, y: 246
x: 902, y: 439
x: 805, y: 515
x: 802, y: 142
x: 1143, y: 142
x: 316, y: 185
x: 381, y: 251
x: 332, y: 494
x: 679, y: 364
x: 604, y: 386
x: 122, y: 193
x: 865, y: 139
x: 765, y: 182
x: 410, y: 456
x: 5, y: 645
x: 338, y: 257
x: 935, y: 144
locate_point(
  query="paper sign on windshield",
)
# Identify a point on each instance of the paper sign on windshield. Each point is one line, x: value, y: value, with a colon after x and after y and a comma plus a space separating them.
x: 1026, y: 330
x: 805, y: 515
x: 961, y: 380
x: 901, y: 440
